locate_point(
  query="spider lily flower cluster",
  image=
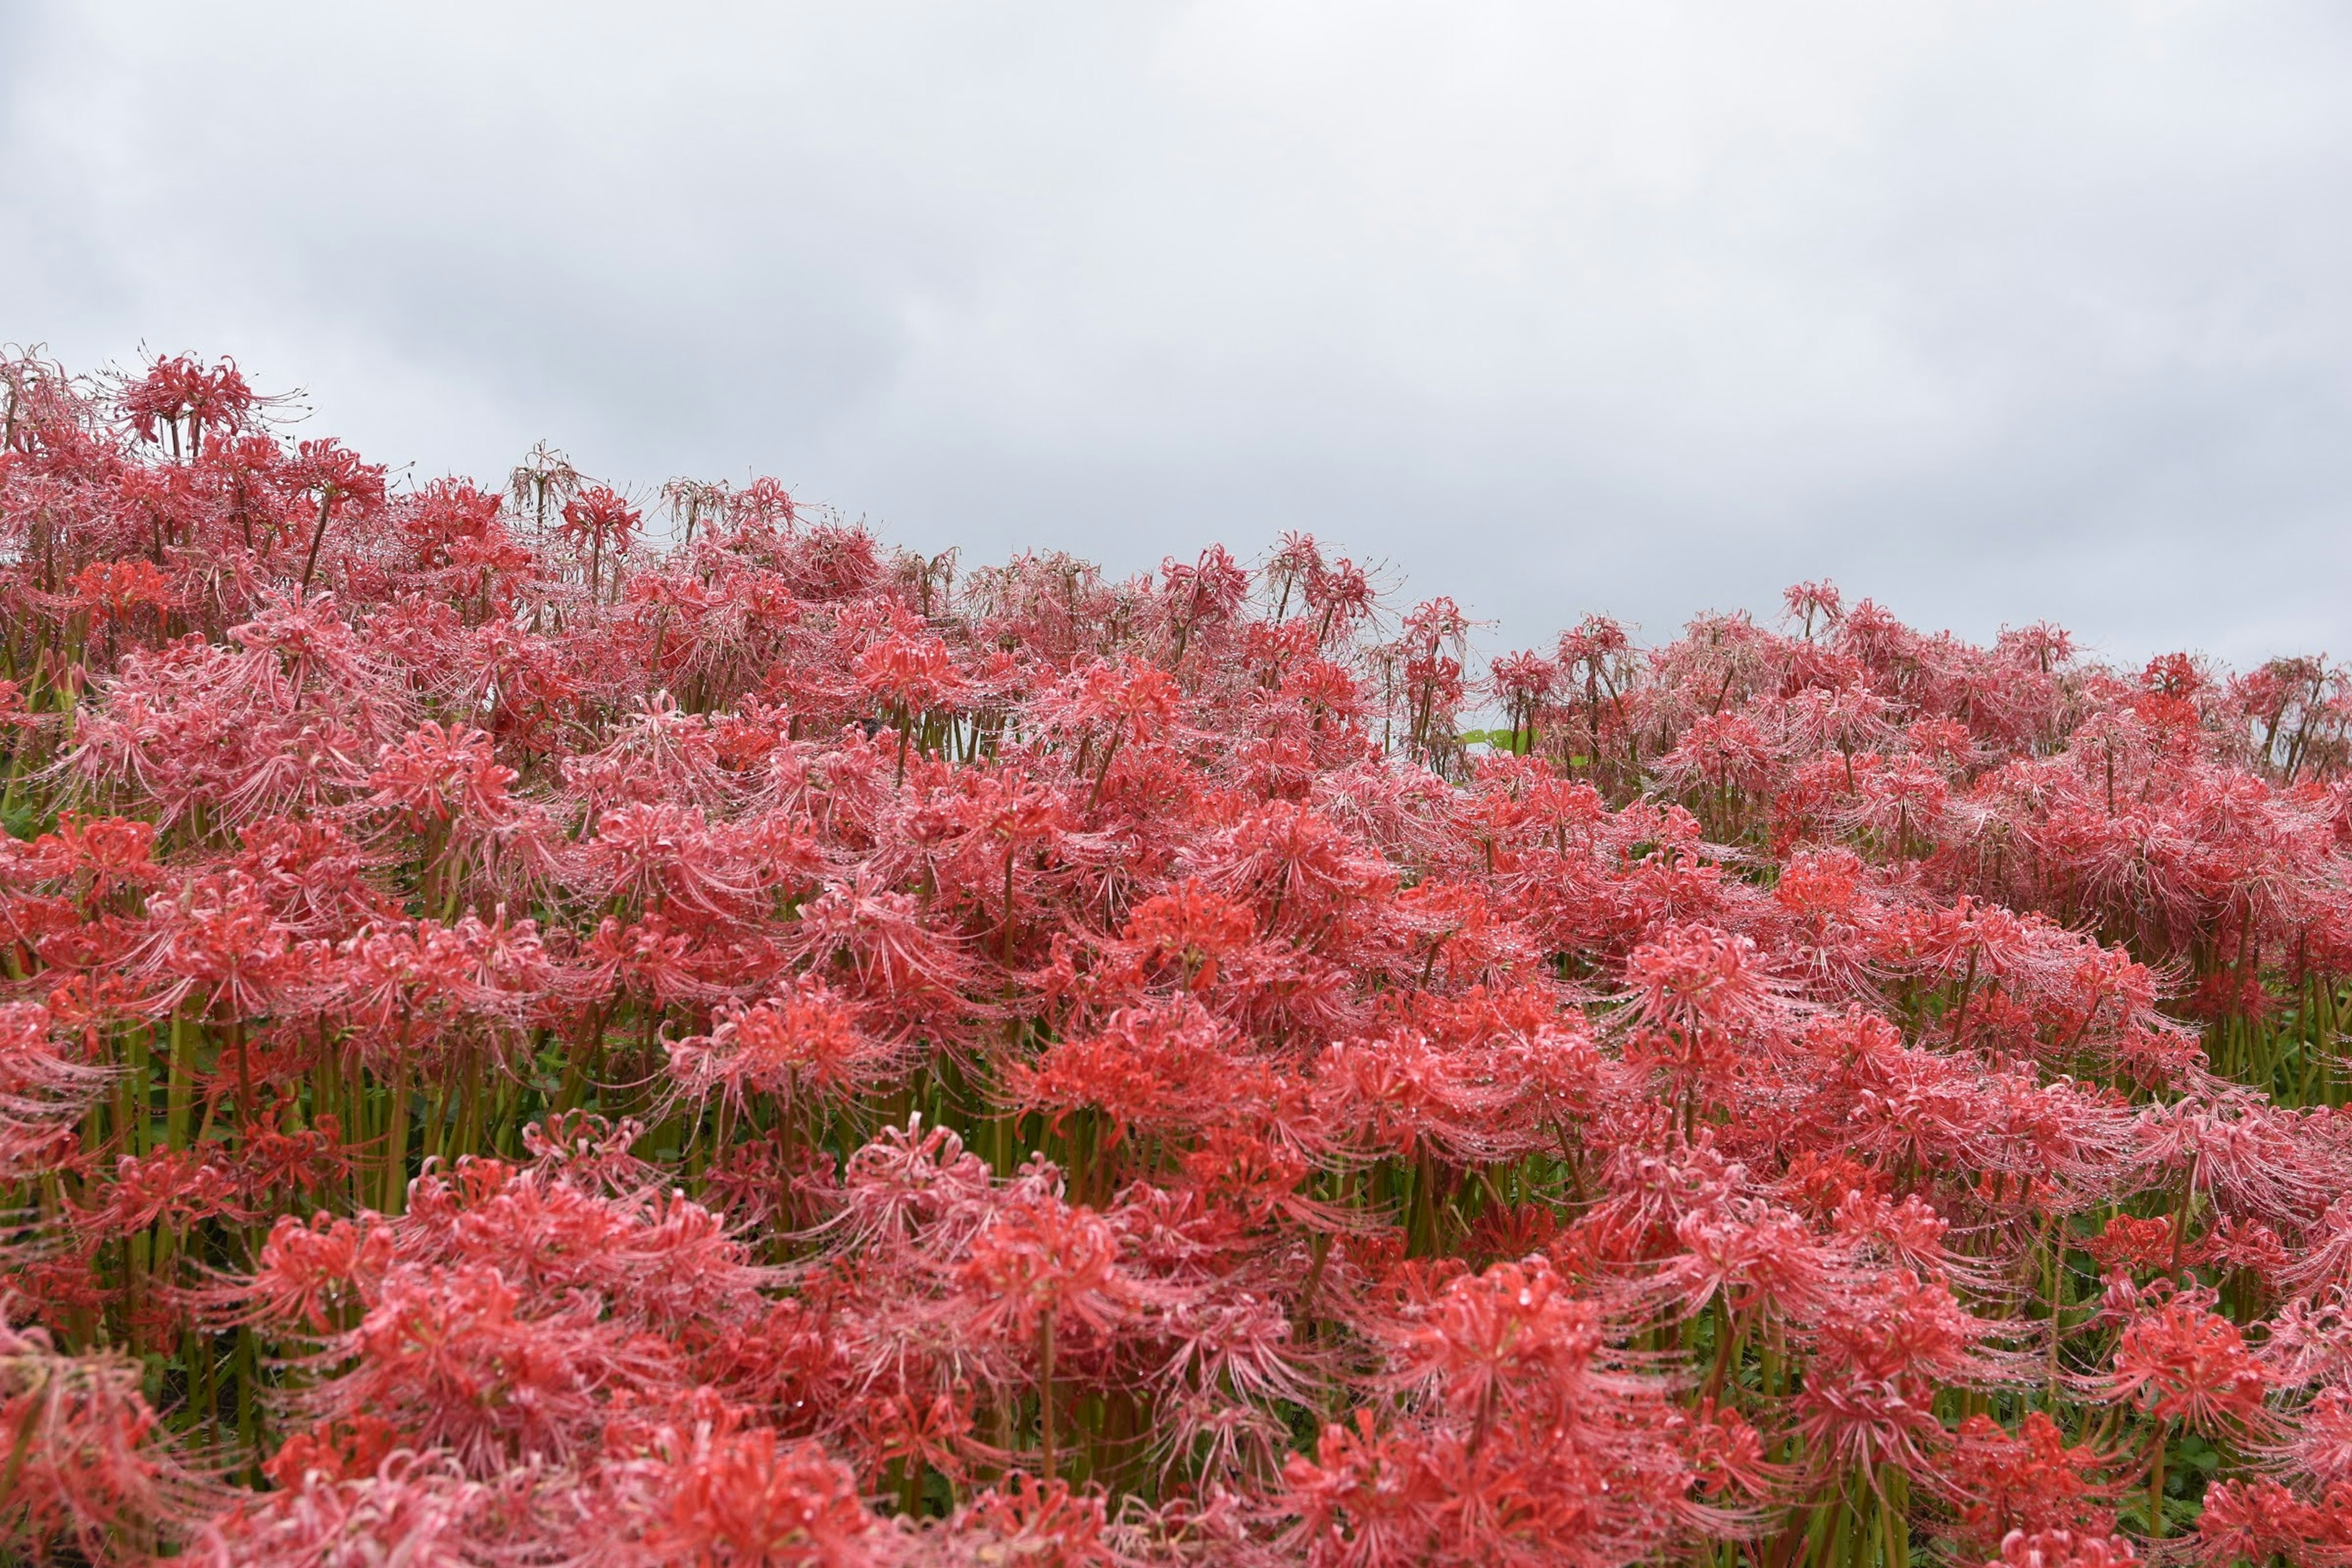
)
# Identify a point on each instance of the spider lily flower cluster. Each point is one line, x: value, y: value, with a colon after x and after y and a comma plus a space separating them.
x: 527, y: 1038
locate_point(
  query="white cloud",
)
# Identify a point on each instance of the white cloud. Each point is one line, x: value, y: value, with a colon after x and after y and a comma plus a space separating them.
x: 1994, y: 311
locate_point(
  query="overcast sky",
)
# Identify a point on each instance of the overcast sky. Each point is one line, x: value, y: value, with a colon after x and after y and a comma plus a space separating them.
x: 1992, y: 312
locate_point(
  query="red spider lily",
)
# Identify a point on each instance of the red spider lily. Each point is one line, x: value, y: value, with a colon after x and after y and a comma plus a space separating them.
x: 415, y: 1510
x: 1699, y: 995
x: 98, y: 857
x: 1044, y: 1522
x: 170, y: 1187
x: 909, y: 677
x: 916, y: 1433
x: 1373, y: 1501
x: 436, y: 776
x: 719, y: 1497
x: 567, y: 1047
x: 182, y: 396
x: 1753, y: 1256
x: 1010, y: 819
x: 2135, y: 1244
x: 804, y: 1041
x: 660, y: 1262
x: 1503, y: 1344
x: 1108, y: 705
x: 1159, y: 1070
x: 877, y: 941
x: 2063, y: 1549
x: 601, y: 518
x: 2032, y: 1482
x: 316, y: 1274
x: 1726, y: 1456
x: 84, y: 1457
x: 2184, y: 1361
x: 342, y: 1450
x: 338, y: 479
x: 446, y: 1358
x: 1297, y: 868
x: 1882, y: 1353
x: 1207, y: 592
x: 1042, y: 1267
x: 909, y: 1180
x: 114, y: 590
x: 1192, y: 928
x: 42, y: 1087
x: 1364, y: 1500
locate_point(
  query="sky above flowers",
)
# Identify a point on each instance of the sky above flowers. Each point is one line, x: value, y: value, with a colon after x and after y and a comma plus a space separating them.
x: 1993, y: 312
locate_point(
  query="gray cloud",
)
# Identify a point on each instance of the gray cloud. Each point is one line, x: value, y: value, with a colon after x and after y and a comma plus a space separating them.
x: 1993, y: 311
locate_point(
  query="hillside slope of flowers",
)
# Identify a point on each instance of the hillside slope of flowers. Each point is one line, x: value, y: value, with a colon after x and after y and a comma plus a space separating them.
x: 531, y: 1038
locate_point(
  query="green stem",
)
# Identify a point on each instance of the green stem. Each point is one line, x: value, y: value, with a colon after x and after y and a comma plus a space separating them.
x: 395, y: 1143
x: 180, y: 1089
x: 1045, y: 1388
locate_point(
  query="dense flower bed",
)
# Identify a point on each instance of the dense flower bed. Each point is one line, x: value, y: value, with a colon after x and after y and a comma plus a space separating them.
x: 524, y: 1043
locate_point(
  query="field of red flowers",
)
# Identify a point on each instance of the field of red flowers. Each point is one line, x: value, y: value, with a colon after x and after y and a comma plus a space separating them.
x: 535, y: 1034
